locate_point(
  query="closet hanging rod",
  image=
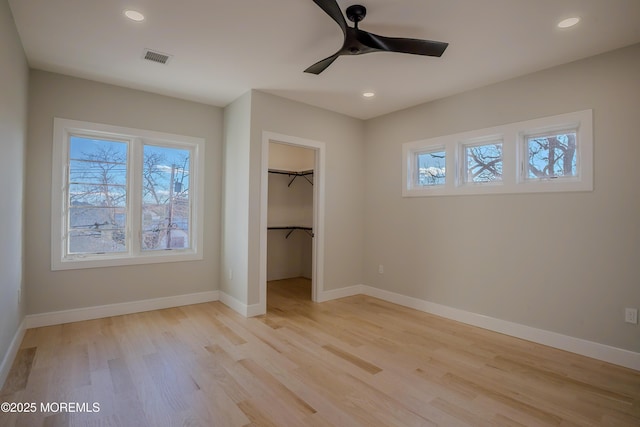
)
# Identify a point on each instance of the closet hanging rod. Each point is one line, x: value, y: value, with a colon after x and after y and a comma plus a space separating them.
x: 291, y: 229
x: 294, y: 174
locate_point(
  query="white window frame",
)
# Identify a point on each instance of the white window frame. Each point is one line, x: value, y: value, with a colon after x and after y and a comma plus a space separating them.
x: 136, y: 139
x: 416, y: 175
x: 515, y: 157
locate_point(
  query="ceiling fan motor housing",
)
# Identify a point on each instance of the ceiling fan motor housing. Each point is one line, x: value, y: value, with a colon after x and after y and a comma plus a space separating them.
x: 356, y: 13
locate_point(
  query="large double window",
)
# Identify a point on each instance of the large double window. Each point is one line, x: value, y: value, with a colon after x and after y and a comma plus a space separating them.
x: 124, y: 196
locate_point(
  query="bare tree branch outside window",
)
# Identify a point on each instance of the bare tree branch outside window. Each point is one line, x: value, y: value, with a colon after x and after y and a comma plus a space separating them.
x: 484, y: 162
x: 552, y: 156
x: 431, y: 168
x: 98, y: 196
x: 166, y: 207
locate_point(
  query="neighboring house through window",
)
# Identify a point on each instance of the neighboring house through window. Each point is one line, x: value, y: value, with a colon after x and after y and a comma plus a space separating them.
x: 124, y: 196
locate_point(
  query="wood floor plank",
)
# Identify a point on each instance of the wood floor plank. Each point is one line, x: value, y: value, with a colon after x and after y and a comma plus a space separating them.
x: 20, y: 371
x: 277, y: 387
x: 356, y: 361
x: 257, y: 417
x: 57, y: 420
x: 120, y: 376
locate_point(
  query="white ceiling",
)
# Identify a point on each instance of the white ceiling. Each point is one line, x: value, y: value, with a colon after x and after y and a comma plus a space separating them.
x: 223, y: 48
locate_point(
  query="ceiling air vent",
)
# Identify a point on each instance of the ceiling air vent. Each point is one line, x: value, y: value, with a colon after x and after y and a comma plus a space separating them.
x: 153, y: 56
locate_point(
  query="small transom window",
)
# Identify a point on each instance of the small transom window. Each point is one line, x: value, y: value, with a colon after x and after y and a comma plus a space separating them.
x: 431, y: 167
x: 483, y: 162
x: 552, y: 155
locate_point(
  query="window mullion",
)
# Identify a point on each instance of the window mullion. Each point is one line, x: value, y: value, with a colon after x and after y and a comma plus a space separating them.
x: 65, y: 220
x: 134, y: 181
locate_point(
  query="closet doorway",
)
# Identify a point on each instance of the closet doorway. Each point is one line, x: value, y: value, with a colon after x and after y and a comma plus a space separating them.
x: 292, y: 217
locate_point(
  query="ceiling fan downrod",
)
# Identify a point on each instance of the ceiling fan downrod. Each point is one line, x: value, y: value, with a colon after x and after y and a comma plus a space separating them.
x: 356, y: 13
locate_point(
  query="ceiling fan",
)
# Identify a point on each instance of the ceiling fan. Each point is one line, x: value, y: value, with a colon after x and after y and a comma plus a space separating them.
x: 358, y: 42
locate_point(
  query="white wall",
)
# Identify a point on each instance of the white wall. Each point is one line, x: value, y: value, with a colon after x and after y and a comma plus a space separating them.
x: 53, y: 95
x: 14, y: 74
x: 565, y: 262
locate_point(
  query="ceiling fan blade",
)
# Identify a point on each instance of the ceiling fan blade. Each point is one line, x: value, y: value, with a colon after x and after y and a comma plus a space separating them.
x: 320, y: 66
x: 402, y: 45
x: 332, y: 9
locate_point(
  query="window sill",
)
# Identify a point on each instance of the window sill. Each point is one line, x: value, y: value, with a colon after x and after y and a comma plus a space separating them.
x: 93, y: 261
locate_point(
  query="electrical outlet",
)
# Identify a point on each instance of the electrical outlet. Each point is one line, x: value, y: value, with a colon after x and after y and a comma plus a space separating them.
x: 631, y: 315
x: 381, y: 269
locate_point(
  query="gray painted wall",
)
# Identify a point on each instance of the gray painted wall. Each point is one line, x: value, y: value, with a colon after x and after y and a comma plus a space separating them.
x: 564, y: 262
x: 343, y: 137
x: 235, y: 219
x: 344, y: 183
x: 14, y: 74
x: 54, y: 95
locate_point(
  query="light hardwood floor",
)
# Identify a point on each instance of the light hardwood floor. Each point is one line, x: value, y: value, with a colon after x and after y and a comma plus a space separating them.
x: 356, y: 361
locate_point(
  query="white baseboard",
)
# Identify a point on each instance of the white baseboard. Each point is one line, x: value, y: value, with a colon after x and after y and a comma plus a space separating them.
x: 617, y: 356
x: 340, y: 293
x: 234, y: 304
x: 97, y: 312
x: 240, y: 307
x: 580, y: 346
x: 255, y: 310
x: 11, y: 353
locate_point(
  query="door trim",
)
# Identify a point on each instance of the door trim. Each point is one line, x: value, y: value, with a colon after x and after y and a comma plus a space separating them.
x: 317, y: 268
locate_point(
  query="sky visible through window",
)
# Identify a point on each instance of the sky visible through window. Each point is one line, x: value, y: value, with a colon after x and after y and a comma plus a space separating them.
x: 552, y: 155
x: 99, y: 193
x: 484, y: 162
x: 431, y: 168
x: 165, y: 208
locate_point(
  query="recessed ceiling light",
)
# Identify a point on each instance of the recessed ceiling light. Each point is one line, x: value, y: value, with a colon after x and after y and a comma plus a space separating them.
x: 368, y: 94
x: 134, y: 15
x: 569, y: 22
